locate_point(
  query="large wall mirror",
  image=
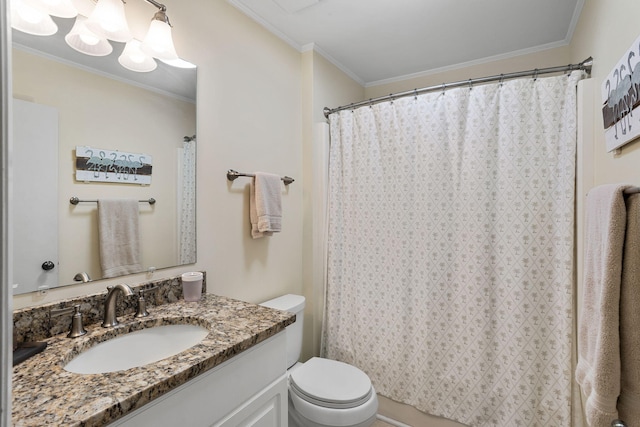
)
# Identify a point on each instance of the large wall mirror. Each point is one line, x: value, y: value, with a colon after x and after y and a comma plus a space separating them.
x: 64, y: 100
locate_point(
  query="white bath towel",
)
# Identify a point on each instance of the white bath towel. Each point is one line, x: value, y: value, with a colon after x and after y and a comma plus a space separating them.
x: 629, y: 400
x: 119, y: 235
x: 598, y: 369
x: 265, y: 204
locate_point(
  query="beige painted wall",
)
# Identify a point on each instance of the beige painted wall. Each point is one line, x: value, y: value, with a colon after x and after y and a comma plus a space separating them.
x: 324, y: 86
x: 108, y: 114
x: 606, y: 30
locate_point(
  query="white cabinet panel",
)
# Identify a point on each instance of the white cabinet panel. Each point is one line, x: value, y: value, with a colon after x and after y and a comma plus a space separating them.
x: 267, y: 409
x: 247, y: 390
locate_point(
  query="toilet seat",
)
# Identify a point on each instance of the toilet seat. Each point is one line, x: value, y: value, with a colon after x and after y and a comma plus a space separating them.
x: 330, y: 384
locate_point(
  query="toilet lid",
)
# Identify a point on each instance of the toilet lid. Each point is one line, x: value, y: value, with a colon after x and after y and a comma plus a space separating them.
x: 330, y: 383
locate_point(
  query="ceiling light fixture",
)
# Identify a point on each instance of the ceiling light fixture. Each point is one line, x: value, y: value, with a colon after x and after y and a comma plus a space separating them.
x: 106, y: 21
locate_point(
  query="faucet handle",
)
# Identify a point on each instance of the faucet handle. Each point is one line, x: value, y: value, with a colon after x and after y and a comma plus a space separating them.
x: 142, y: 302
x: 77, y: 328
x: 142, y: 305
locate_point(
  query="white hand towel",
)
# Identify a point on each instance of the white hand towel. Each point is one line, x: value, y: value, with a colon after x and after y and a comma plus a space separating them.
x: 253, y: 214
x: 598, y: 369
x: 119, y: 235
x: 265, y: 204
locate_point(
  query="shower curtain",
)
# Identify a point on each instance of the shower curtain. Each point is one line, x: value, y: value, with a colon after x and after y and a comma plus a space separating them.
x: 187, y: 205
x: 450, y: 249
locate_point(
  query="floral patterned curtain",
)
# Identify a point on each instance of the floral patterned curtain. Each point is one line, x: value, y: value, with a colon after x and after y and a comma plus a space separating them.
x: 450, y: 249
x: 187, y: 213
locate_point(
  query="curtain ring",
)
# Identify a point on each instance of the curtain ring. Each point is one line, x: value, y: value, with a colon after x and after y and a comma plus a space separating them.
x: 370, y: 103
x: 391, y: 98
x: 501, y: 80
x: 443, y: 88
x: 535, y: 74
x: 470, y: 85
x: 415, y: 94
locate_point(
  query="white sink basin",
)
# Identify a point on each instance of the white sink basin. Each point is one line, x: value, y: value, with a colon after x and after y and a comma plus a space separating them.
x: 137, y: 348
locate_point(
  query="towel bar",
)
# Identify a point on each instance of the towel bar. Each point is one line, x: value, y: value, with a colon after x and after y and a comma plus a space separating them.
x: 232, y: 175
x: 74, y: 201
x: 632, y: 190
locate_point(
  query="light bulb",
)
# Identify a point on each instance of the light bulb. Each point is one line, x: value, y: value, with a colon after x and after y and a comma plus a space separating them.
x: 61, y: 8
x: 108, y: 20
x: 84, y: 41
x: 158, y: 42
x: 134, y: 59
x: 90, y: 39
x: 31, y: 20
x: 31, y: 15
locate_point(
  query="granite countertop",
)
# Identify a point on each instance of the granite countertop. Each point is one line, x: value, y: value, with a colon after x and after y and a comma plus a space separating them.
x: 45, y: 394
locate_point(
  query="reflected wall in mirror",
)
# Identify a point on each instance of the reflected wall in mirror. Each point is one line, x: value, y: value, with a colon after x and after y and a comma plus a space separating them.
x: 99, y: 110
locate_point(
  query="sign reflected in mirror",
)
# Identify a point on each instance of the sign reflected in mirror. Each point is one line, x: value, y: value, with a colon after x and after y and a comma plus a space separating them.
x: 89, y: 105
x: 102, y: 165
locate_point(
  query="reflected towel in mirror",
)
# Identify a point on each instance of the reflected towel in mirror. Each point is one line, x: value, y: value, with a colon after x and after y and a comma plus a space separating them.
x: 119, y: 234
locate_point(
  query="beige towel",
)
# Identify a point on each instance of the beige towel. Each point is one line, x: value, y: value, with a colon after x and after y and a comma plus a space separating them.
x: 119, y: 234
x: 265, y: 205
x: 629, y: 400
x: 598, y: 369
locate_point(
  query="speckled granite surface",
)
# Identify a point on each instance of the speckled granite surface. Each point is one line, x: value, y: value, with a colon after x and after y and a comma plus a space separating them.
x: 37, y: 324
x: 45, y: 394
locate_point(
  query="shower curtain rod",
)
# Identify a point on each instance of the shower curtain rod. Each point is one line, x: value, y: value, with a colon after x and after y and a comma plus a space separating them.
x: 584, y: 65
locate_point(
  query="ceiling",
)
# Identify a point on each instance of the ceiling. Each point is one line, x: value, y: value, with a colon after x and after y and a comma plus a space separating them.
x: 378, y: 41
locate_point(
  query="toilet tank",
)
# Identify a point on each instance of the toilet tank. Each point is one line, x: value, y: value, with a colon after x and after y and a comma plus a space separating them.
x: 293, y: 304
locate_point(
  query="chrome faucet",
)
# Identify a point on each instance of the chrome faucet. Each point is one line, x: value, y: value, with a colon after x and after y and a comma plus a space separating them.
x: 110, y: 319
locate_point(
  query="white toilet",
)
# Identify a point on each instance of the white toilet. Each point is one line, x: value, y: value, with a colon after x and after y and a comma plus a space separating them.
x: 323, y: 392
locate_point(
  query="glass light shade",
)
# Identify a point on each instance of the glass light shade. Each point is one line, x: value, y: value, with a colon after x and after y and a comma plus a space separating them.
x: 84, y: 7
x: 84, y: 41
x: 158, y: 42
x: 31, y: 20
x: 134, y: 59
x: 179, y: 63
x: 108, y: 20
x: 61, y: 8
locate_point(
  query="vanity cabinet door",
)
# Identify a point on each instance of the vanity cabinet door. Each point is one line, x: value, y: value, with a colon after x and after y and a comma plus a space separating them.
x: 267, y: 409
x: 248, y: 390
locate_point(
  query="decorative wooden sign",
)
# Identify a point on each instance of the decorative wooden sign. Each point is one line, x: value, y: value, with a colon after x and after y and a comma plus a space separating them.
x: 621, y: 96
x: 98, y: 164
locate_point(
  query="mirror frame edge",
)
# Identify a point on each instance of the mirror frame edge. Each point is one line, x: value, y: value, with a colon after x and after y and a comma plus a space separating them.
x: 6, y: 294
